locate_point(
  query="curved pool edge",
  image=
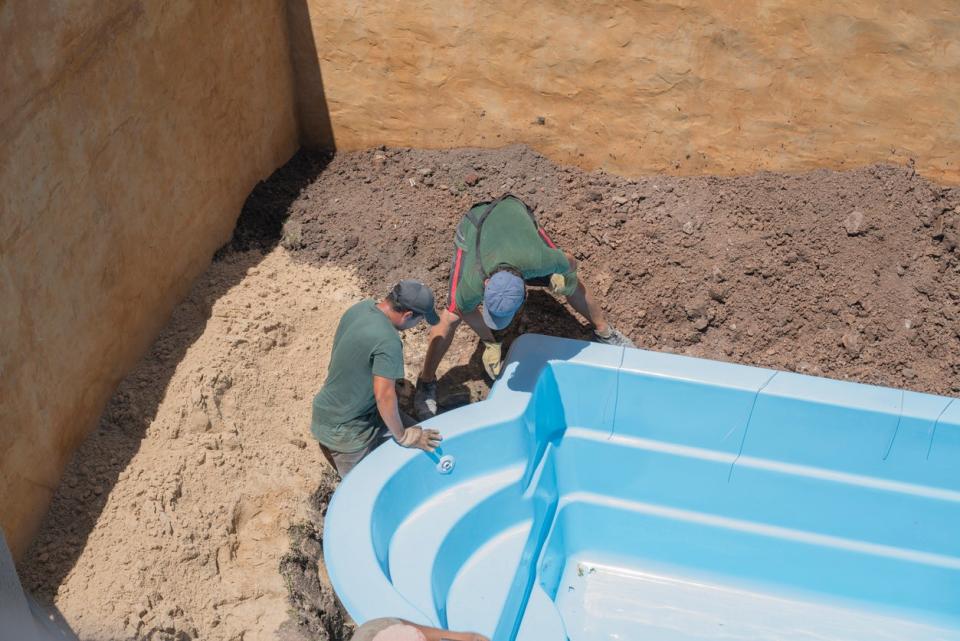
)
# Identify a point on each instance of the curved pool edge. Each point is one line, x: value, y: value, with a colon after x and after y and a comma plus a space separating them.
x: 904, y: 447
x: 351, y: 560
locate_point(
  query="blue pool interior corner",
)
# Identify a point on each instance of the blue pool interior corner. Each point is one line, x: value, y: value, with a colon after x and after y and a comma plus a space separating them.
x: 610, y: 493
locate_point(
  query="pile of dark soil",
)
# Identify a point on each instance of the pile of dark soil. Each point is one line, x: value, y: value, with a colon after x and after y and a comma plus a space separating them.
x: 851, y: 274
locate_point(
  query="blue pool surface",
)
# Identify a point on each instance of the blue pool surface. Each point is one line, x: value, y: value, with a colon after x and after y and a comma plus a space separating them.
x: 610, y: 493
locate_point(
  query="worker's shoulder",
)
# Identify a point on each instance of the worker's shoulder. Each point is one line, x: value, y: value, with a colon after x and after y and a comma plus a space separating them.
x: 364, y: 320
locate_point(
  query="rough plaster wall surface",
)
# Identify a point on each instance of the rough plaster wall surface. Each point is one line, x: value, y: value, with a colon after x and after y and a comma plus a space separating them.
x: 635, y: 86
x: 130, y: 134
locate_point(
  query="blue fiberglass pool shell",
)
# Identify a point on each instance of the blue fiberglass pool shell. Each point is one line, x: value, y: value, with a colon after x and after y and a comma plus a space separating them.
x: 610, y: 493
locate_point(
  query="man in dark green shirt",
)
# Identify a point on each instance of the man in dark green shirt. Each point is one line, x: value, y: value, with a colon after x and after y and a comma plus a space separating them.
x: 357, y: 408
x: 499, y: 249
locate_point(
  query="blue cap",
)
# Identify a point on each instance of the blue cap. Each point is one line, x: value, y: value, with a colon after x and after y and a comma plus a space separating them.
x: 502, y: 297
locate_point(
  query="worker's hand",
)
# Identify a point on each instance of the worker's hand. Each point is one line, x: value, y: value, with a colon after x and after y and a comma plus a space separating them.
x: 561, y: 285
x: 421, y: 439
x: 492, y: 358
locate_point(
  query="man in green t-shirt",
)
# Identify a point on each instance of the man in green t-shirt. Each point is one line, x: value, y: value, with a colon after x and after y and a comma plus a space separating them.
x: 499, y: 249
x: 357, y: 408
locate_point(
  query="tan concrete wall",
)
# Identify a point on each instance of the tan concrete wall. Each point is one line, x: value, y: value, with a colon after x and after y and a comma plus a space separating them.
x: 131, y: 132
x: 688, y: 86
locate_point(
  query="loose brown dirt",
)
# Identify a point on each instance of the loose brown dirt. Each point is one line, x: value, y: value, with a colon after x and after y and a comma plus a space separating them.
x: 850, y: 275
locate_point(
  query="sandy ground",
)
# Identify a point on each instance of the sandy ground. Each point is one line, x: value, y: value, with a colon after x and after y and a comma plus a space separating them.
x: 172, y: 519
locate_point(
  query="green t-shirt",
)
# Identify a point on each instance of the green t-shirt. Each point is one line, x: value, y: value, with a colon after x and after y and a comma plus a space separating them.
x: 345, y: 416
x: 509, y: 237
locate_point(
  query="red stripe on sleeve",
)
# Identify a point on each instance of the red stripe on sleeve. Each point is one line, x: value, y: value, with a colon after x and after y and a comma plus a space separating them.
x: 546, y: 238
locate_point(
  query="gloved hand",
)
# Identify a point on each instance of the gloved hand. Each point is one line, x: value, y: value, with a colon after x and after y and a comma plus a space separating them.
x: 561, y: 285
x: 416, y: 436
x: 492, y: 355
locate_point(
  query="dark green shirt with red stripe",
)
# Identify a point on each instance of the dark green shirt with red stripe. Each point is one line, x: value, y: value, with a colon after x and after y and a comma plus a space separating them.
x: 510, y: 237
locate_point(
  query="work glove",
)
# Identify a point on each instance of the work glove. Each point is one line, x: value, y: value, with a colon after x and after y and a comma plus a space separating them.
x: 492, y: 354
x: 561, y: 285
x: 421, y: 439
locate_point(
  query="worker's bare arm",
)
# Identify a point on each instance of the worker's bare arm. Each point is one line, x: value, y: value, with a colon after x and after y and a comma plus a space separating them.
x: 385, y: 392
x: 474, y: 319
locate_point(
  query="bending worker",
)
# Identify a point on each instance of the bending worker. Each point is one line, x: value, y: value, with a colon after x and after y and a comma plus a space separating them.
x: 356, y: 410
x: 499, y: 249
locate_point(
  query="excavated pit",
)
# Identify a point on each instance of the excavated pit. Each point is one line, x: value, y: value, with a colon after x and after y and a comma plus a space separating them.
x: 180, y: 509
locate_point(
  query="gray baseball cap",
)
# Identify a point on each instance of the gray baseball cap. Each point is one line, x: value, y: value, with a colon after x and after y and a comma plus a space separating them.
x: 416, y: 297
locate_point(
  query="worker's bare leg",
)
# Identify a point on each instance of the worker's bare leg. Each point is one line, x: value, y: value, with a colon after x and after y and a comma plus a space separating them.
x: 438, y: 342
x: 586, y: 305
x: 475, y: 321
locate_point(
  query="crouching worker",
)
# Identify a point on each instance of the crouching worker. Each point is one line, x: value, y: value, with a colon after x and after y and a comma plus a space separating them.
x: 499, y: 250
x: 357, y: 408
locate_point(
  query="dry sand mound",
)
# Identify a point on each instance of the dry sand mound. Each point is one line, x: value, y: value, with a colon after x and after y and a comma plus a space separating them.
x: 172, y: 519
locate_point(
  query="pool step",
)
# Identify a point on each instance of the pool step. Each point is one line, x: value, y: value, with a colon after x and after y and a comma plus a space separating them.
x: 601, y: 601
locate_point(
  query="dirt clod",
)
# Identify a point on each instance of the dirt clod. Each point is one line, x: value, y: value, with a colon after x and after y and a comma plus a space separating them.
x: 854, y: 223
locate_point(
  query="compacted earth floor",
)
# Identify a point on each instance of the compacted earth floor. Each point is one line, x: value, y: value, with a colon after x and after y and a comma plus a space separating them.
x: 195, y: 509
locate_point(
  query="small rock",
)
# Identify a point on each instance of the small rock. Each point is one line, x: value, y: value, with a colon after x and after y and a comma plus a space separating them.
x: 425, y: 171
x: 540, y: 121
x: 688, y: 227
x: 471, y: 179
x: 718, y: 294
x: 594, y: 197
x: 298, y: 442
x: 44, y: 557
x: 854, y: 223
x: 98, y: 490
x: 701, y: 323
x: 851, y: 343
x: 291, y: 237
x: 939, y: 228
x: 620, y: 200
x: 908, y: 373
